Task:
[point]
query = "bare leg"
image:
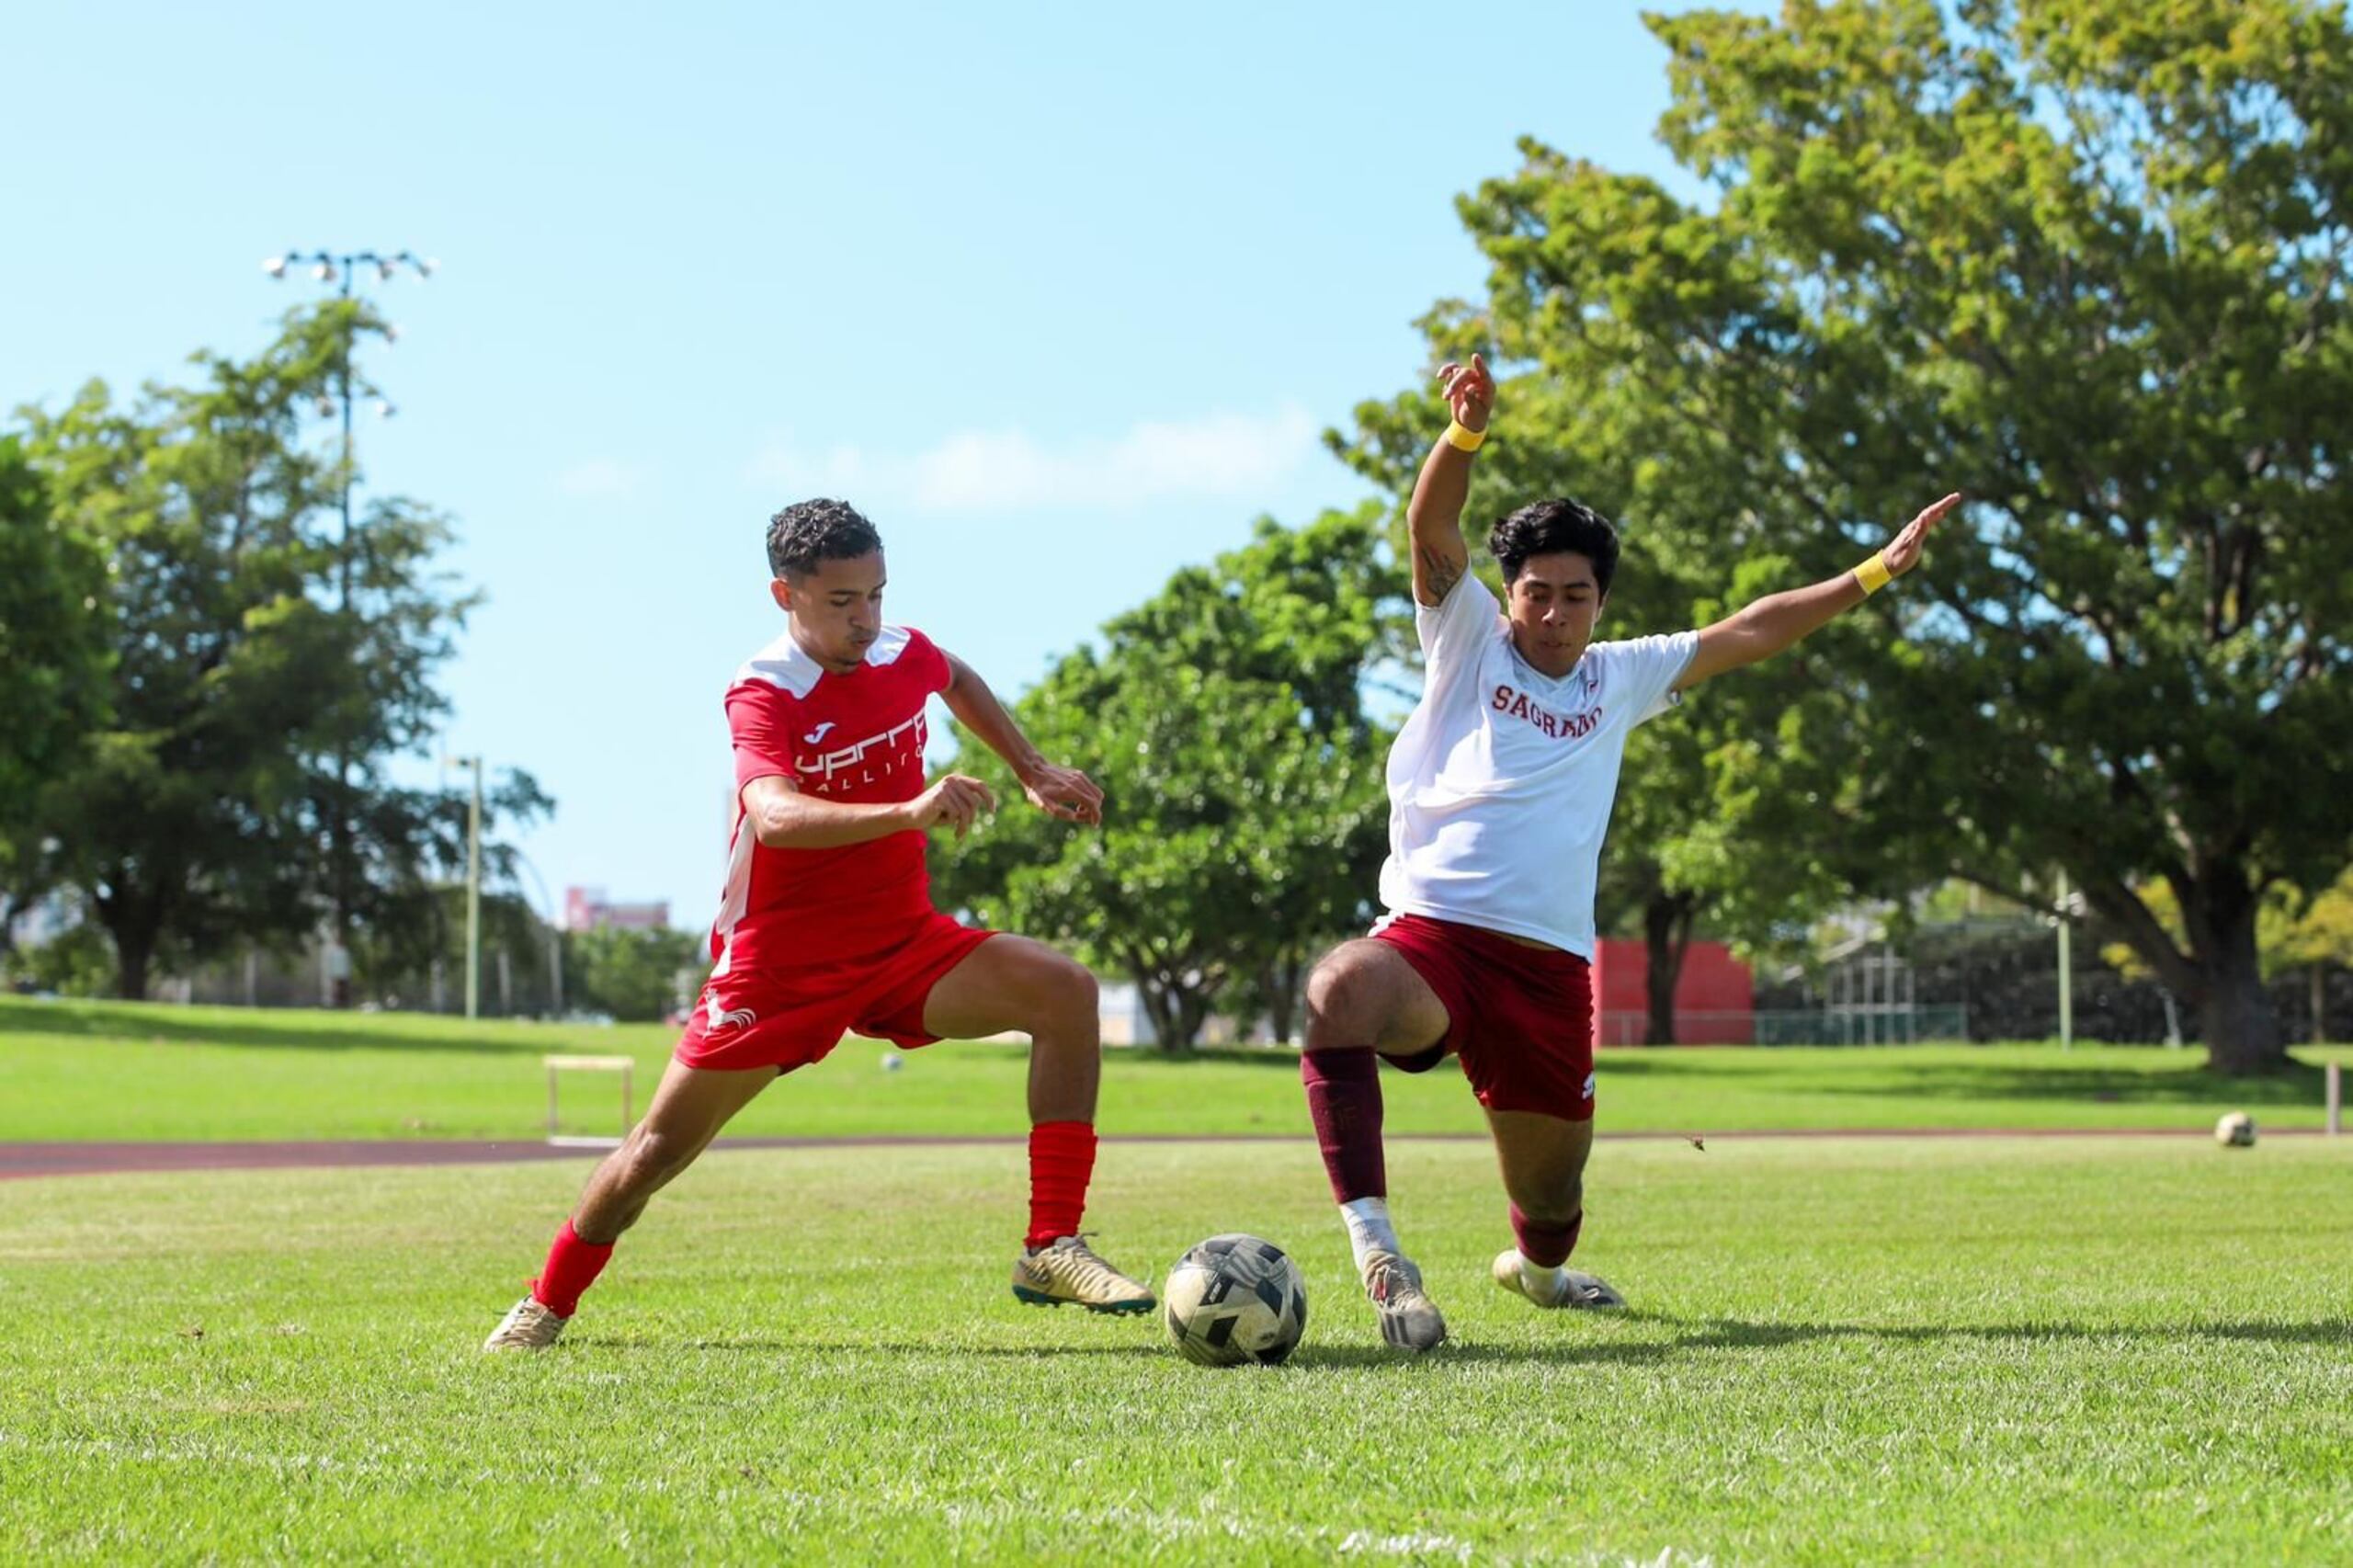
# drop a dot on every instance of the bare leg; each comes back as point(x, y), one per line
point(1363, 1001)
point(1543, 1169)
point(1012, 982)
point(688, 1109)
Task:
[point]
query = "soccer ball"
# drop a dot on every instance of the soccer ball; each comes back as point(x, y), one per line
point(2235, 1130)
point(892, 1062)
point(1235, 1299)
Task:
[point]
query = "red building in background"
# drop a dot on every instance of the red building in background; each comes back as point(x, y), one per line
point(587, 909)
point(1715, 1000)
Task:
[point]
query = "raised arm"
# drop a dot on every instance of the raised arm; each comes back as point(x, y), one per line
point(1064, 792)
point(1763, 629)
point(1434, 516)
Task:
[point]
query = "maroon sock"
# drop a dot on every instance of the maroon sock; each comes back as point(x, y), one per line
point(1344, 1098)
point(1062, 1162)
point(572, 1266)
point(1547, 1246)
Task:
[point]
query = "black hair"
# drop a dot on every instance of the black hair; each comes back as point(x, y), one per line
point(1546, 527)
point(808, 531)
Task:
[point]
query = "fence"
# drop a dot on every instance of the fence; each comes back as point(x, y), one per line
point(1867, 1024)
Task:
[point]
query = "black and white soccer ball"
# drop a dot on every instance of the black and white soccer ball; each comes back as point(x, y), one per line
point(1235, 1299)
point(2235, 1130)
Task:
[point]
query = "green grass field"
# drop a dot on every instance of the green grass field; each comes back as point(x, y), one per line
point(110, 1070)
point(1877, 1350)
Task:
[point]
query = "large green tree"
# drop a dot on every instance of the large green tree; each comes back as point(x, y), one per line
point(1245, 817)
point(208, 811)
point(2087, 260)
point(54, 648)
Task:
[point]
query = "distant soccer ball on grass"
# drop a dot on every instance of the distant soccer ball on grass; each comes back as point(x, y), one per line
point(1235, 1299)
point(892, 1062)
point(2235, 1130)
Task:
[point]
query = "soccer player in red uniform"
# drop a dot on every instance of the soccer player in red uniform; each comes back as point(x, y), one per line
point(1500, 787)
point(828, 925)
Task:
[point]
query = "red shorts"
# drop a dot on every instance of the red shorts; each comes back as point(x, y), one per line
point(789, 1018)
point(1519, 1018)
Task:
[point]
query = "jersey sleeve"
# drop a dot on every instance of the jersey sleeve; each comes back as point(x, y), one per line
point(1452, 631)
point(1645, 670)
point(759, 724)
point(925, 660)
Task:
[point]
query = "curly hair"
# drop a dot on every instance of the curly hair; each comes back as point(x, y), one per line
point(1544, 527)
point(808, 531)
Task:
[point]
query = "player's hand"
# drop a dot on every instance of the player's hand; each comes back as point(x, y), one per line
point(1470, 392)
point(1905, 553)
point(957, 800)
point(1064, 792)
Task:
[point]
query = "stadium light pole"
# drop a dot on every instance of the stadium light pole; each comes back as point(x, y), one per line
point(342, 269)
point(473, 886)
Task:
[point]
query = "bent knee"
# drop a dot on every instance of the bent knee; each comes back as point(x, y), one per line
point(1344, 999)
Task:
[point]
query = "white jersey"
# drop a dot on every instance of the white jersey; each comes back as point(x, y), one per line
point(1500, 782)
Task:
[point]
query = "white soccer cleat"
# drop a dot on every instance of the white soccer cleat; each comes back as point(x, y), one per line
point(1069, 1270)
point(1409, 1320)
point(527, 1326)
point(1570, 1288)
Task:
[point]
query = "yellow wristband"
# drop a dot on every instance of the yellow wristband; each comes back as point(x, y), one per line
point(1463, 438)
point(1873, 574)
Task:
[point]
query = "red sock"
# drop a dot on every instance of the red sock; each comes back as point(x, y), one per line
point(1547, 1246)
point(572, 1266)
point(1062, 1160)
point(1344, 1101)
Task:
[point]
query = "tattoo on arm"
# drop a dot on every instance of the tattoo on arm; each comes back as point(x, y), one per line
point(1438, 573)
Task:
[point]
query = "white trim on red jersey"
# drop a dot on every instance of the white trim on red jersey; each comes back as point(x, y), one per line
point(784, 663)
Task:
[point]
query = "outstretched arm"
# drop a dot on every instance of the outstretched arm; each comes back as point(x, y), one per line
point(1064, 791)
point(1761, 629)
point(1434, 516)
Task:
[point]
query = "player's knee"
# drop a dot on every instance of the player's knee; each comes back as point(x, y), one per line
point(1058, 993)
point(1342, 1002)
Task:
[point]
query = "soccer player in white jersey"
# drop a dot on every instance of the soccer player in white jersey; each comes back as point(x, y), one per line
point(1500, 788)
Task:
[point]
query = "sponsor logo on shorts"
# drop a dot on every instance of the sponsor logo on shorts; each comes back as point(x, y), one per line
point(740, 1018)
point(1588, 1086)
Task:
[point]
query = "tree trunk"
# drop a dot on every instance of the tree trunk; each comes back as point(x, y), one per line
point(1281, 986)
point(1176, 1010)
point(2235, 1012)
point(2320, 1002)
point(1666, 936)
point(132, 952)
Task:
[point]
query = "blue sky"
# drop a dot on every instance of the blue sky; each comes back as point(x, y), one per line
point(1060, 296)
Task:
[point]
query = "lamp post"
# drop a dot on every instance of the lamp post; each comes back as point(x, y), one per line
point(473, 886)
point(342, 269)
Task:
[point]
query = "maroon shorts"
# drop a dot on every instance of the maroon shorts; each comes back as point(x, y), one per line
point(1519, 1018)
point(790, 1017)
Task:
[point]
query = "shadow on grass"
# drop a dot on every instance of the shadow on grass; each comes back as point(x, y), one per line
point(887, 1347)
point(1732, 1334)
point(160, 1025)
point(2299, 1086)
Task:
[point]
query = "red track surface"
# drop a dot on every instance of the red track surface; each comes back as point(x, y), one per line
point(94, 1159)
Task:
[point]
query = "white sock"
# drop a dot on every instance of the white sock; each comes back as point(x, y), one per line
point(1543, 1280)
point(1369, 1228)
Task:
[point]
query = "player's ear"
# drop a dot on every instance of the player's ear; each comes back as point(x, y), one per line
point(781, 589)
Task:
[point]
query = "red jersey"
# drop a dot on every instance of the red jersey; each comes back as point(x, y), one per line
point(855, 737)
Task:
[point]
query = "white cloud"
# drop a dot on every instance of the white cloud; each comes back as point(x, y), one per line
point(1219, 454)
point(599, 477)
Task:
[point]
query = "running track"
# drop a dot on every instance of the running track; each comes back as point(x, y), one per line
point(19, 1160)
